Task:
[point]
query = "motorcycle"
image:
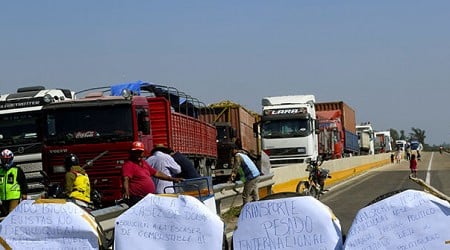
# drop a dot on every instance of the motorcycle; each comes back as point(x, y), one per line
point(314, 185)
point(56, 191)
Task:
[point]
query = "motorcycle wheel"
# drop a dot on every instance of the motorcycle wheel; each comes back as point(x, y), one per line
point(303, 188)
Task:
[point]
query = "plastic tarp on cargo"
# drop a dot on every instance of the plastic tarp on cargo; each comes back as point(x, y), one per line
point(135, 87)
point(48, 224)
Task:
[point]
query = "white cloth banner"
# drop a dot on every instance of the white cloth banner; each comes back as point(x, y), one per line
point(168, 222)
point(43, 224)
point(289, 223)
point(408, 220)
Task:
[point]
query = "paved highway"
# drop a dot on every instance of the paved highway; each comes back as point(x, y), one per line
point(346, 198)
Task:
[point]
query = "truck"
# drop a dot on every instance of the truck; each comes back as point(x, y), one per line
point(337, 136)
point(416, 147)
point(289, 129)
point(234, 124)
point(366, 138)
point(401, 145)
point(383, 141)
point(103, 124)
point(20, 116)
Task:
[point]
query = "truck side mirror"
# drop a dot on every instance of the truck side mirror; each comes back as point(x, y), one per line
point(316, 126)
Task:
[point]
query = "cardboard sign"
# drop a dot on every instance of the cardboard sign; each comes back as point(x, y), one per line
point(43, 224)
point(168, 222)
point(408, 220)
point(290, 223)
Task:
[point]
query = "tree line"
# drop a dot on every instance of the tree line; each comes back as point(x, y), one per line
point(415, 134)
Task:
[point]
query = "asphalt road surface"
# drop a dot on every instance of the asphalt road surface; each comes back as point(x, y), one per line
point(346, 198)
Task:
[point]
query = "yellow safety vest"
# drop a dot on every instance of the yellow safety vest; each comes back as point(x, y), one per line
point(81, 187)
point(9, 187)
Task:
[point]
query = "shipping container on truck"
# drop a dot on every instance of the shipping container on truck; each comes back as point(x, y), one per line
point(20, 116)
point(105, 124)
point(348, 121)
point(234, 124)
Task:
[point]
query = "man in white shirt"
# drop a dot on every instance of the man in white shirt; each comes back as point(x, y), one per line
point(163, 162)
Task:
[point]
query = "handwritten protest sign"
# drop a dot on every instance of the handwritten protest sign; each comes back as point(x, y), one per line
point(408, 220)
point(53, 226)
point(168, 222)
point(290, 223)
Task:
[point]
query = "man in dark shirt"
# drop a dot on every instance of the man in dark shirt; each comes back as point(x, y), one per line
point(188, 170)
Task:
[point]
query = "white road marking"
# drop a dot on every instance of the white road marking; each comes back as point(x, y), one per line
point(428, 177)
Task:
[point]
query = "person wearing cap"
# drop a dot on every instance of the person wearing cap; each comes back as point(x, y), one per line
point(248, 172)
point(163, 162)
point(13, 184)
point(137, 175)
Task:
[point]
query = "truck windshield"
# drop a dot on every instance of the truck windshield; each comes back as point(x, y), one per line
point(286, 128)
point(88, 125)
point(19, 128)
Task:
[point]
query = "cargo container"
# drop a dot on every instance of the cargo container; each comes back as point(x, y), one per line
point(338, 136)
point(234, 124)
point(106, 125)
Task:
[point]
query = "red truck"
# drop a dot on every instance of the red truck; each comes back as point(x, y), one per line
point(234, 125)
point(106, 125)
point(337, 124)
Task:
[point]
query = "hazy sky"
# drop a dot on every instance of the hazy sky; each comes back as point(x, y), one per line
point(389, 60)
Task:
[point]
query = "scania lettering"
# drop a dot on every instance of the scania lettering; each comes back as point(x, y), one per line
point(289, 129)
point(20, 114)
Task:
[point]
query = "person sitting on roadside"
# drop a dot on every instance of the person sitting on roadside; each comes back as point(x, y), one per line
point(77, 184)
point(13, 184)
point(137, 175)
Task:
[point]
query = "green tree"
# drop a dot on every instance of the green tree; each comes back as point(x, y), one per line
point(418, 134)
point(394, 134)
point(402, 135)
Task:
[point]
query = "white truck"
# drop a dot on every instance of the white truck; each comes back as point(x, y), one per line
point(383, 141)
point(289, 129)
point(366, 138)
point(20, 117)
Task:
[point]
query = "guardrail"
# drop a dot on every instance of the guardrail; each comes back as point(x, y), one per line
point(231, 190)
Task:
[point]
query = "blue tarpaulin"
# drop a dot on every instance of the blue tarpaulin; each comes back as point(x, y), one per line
point(135, 87)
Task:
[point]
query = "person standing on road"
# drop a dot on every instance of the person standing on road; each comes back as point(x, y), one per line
point(398, 156)
point(77, 184)
point(413, 165)
point(249, 175)
point(13, 184)
point(163, 162)
point(188, 170)
point(137, 175)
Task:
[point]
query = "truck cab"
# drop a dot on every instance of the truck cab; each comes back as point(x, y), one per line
point(20, 119)
point(289, 129)
point(366, 137)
